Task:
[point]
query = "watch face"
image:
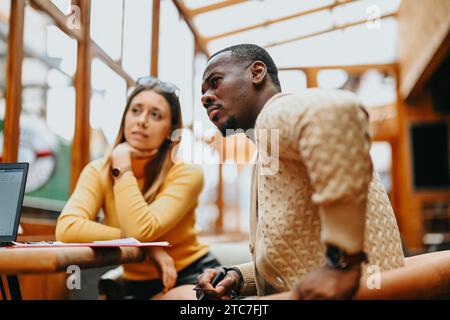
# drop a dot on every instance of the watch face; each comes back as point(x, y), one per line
point(334, 255)
point(115, 172)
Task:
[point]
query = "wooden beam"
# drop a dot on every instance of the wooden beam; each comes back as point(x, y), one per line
point(214, 6)
point(314, 34)
point(311, 78)
point(14, 82)
point(383, 122)
point(185, 14)
point(98, 52)
point(80, 145)
point(354, 69)
point(155, 38)
point(278, 20)
point(58, 17)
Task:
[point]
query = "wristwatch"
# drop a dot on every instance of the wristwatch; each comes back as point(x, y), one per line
point(117, 172)
point(339, 259)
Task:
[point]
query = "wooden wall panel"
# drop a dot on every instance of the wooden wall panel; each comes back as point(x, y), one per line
point(424, 28)
point(408, 199)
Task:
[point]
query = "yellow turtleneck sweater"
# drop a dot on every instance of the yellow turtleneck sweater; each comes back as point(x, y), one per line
point(170, 217)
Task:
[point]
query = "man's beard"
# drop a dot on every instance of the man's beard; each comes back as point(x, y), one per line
point(229, 125)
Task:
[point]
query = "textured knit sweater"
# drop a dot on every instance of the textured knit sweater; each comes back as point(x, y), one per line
point(316, 185)
point(170, 217)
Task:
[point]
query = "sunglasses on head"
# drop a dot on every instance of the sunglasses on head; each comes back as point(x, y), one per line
point(164, 86)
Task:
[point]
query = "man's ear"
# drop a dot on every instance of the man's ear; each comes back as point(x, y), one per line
point(259, 71)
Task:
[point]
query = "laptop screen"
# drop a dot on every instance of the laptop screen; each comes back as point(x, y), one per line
point(12, 187)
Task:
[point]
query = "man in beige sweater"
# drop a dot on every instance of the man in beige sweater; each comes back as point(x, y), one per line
point(319, 214)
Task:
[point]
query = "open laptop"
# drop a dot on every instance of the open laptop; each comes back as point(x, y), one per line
point(13, 177)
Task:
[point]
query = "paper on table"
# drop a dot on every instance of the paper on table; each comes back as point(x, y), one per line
point(127, 242)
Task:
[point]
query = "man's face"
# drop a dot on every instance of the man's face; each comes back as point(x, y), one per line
point(227, 92)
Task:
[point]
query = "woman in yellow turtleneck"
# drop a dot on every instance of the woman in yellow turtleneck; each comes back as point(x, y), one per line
point(144, 195)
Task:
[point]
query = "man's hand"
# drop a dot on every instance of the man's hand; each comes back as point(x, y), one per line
point(230, 282)
point(328, 283)
point(166, 266)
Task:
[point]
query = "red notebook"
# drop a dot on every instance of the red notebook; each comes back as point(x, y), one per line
point(127, 242)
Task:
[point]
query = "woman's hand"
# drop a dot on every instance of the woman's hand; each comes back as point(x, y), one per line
point(165, 265)
point(122, 153)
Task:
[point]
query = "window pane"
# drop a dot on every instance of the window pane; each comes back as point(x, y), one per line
point(381, 154)
point(292, 81)
point(332, 79)
point(137, 37)
point(106, 25)
point(107, 105)
point(48, 110)
point(176, 56)
point(63, 5)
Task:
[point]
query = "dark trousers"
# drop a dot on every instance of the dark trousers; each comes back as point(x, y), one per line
point(147, 289)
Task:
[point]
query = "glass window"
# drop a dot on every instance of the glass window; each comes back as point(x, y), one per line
point(292, 81)
point(375, 88)
point(176, 57)
point(381, 153)
point(106, 26)
point(376, 41)
point(107, 105)
point(63, 5)
point(137, 37)
point(332, 79)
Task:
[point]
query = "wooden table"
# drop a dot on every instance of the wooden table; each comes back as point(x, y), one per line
point(21, 261)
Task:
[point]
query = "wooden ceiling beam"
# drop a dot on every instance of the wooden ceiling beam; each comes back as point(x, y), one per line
point(215, 6)
point(314, 34)
point(278, 20)
point(354, 69)
point(186, 15)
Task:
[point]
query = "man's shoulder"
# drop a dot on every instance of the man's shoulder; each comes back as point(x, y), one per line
point(289, 106)
point(310, 97)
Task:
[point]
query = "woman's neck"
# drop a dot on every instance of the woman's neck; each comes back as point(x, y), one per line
point(138, 165)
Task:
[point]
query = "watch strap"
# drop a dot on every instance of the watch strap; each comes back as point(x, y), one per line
point(241, 278)
point(338, 258)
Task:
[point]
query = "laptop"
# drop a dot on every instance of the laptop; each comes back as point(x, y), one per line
point(13, 177)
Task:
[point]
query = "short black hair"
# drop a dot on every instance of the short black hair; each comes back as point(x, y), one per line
point(247, 52)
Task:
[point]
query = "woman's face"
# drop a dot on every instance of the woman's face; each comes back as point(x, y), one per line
point(147, 121)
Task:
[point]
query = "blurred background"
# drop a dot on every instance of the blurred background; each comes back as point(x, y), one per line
point(66, 68)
